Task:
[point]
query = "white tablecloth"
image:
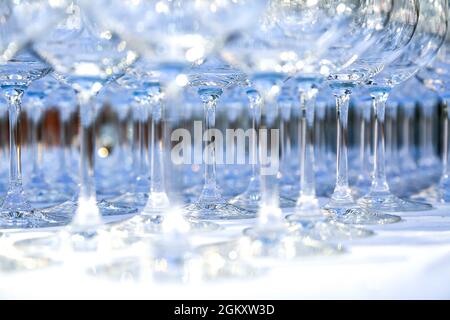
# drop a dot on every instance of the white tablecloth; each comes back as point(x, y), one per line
point(407, 260)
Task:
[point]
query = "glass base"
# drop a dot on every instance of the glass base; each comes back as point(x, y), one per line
point(387, 202)
point(106, 208)
point(144, 225)
point(157, 203)
point(277, 242)
point(438, 194)
point(351, 213)
point(17, 213)
point(251, 201)
point(325, 229)
point(220, 210)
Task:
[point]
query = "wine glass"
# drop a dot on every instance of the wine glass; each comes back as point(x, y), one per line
point(173, 35)
point(389, 41)
point(155, 202)
point(212, 78)
point(19, 67)
point(271, 54)
point(167, 36)
point(429, 35)
point(86, 58)
point(3, 152)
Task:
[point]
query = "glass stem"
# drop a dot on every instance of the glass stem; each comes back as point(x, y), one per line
point(406, 134)
point(319, 137)
point(269, 212)
point(366, 142)
point(392, 139)
point(15, 144)
point(209, 98)
point(63, 144)
point(423, 135)
point(255, 109)
point(307, 170)
point(445, 140)
point(157, 183)
point(141, 144)
point(87, 214)
point(362, 143)
point(444, 183)
point(379, 182)
point(34, 147)
point(342, 189)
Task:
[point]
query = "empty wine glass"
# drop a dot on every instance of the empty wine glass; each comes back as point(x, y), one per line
point(395, 25)
point(21, 22)
point(363, 180)
point(167, 36)
point(420, 50)
point(212, 78)
point(270, 54)
point(86, 58)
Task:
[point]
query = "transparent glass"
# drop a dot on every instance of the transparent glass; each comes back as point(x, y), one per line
point(18, 69)
point(430, 30)
point(85, 60)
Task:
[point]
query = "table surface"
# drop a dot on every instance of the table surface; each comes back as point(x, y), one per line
point(406, 260)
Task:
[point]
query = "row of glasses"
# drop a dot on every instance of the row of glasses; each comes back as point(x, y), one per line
point(399, 25)
point(173, 35)
point(19, 67)
point(270, 55)
point(86, 58)
point(421, 49)
point(307, 41)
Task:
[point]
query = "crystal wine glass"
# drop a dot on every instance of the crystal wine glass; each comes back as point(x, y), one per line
point(21, 22)
point(389, 41)
point(86, 58)
point(429, 35)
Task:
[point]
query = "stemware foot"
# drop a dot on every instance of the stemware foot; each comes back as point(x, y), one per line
point(252, 201)
point(324, 229)
point(353, 214)
point(17, 213)
point(387, 202)
point(68, 209)
point(217, 211)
